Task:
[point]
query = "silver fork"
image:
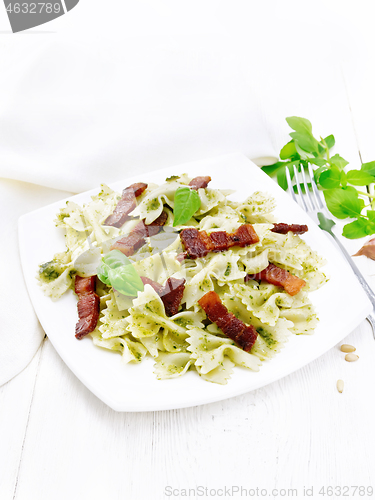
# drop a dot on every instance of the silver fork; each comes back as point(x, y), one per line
point(316, 206)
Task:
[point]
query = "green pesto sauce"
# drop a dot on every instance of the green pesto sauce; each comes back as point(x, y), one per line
point(267, 337)
point(49, 271)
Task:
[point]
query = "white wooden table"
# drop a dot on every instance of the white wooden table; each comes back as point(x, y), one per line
point(58, 441)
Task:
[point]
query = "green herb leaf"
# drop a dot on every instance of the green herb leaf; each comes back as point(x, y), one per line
point(302, 186)
point(369, 167)
point(331, 178)
point(117, 271)
point(319, 162)
point(339, 161)
point(330, 141)
point(358, 229)
point(288, 151)
point(303, 154)
point(299, 124)
point(359, 178)
point(186, 203)
point(318, 172)
point(281, 174)
point(172, 178)
point(343, 202)
point(343, 179)
point(371, 215)
point(325, 224)
point(126, 280)
point(272, 169)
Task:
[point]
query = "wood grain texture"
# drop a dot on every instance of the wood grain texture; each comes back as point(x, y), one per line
point(15, 403)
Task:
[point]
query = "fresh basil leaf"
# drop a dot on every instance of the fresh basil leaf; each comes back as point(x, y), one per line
point(303, 154)
point(371, 215)
point(281, 174)
point(343, 179)
point(359, 178)
point(343, 202)
point(288, 151)
point(186, 203)
point(102, 273)
point(321, 149)
point(306, 142)
point(319, 162)
point(318, 172)
point(338, 161)
point(299, 124)
point(112, 260)
point(357, 229)
point(272, 169)
point(331, 178)
point(330, 141)
point(281, 179)
point(126, 280)
point(369, 167)
point(115, 258)
point(324, 223)
point(302, 186)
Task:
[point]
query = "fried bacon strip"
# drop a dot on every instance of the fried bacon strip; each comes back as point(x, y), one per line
point(126, 205)
point(279, 277)
point(171, 293)
point(88, 305)
point(136, 238)
point(244, 335)
point(200, 182)
point(199, 243)
point(283, 228)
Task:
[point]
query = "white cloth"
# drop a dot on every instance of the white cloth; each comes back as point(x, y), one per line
point(106, 96)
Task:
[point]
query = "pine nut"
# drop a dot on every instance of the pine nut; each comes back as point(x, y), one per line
point(340, 385)
point(347, 348)
point(351, 357)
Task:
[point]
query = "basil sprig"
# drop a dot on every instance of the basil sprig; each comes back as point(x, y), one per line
point(117, 271)
point(343, 200)
point(186, 203)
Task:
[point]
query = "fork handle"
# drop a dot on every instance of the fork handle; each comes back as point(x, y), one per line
point(357, 272)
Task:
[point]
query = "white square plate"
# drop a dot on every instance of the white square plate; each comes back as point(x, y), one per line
point(341, 304)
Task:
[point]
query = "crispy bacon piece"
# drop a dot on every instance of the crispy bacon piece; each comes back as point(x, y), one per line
point(181, 256)
point(200, 182)
point(88, 305)
point(155, 285)
point(199, 243)
point(136, 238)
point(126, 205)
point(279, 277)
point(153, 228)
point(244, 236)
point(171, 293)
point(83, 286)
point(129, 244)
point(244, 335)
point(283, 228)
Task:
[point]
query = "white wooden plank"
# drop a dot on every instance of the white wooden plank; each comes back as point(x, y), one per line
point(15, 402)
